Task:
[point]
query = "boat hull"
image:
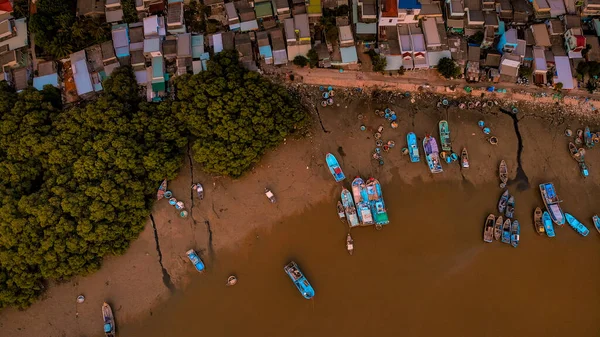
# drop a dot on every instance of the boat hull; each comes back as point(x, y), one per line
point(445, 136)
point(349, 208)
point(506, 231)
point(432, 155)
point(503, 202)
point(498, 228)
point(510, 207)
point(300, 281)
point(537, 221)
point(109, 320)
point(361, 200)
point(596, 221)
point(551, 202)
point(515, 232)
point(547, 221)
point(377, 204)
point(334, 168)
point(413, 148)
point(577, 225)
point(488, 228)
point(195, 260)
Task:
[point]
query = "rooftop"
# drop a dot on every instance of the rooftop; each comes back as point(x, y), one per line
point(389, 9)
point(409, 4)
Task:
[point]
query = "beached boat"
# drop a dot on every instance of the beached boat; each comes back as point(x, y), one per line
point(575, 153)
point(552, 203)
point(537, 221)
point(596, 221)
point(547, 221)
point(488, 228)
point(361, 200)
point(498, 228)
point(506, 231)
point(445, 136)
point(583, 169)
point(349, 244)
point(432, 154)
point(579, 137)
point(515, 232)
point(109, 321)
point(334, 168)
point(341, 212)
point(587, 137)
point(503, 202)
point(464, 158)
point(195, 259)
point(503, 173)
point(577, 225)
point(161, 190)
point(413, 148)
point(349, 208)
point(375, 197)
point(299, 280)
point(510, 207)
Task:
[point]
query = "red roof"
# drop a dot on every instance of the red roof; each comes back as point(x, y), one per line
point(390, 9)
point(5, 6)
point(580, 41)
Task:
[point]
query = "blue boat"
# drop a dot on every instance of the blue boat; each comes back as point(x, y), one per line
point(585, 172)
point(503, 202)
point(413, 148)
point(576, 225)
point(515, 231)
point(552, 203)
point(510, 207)
point(587, 136)
point(445, 136)
point(361, 199)
point(195, 259)
point(548, 225)
point(596, 221)
point(334, 168)
point(376, 200)
point(349, 208)
point(432, 154)
point(299, 280)
point(506, 231)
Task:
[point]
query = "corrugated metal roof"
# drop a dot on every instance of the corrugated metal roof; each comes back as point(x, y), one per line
point(366, 28)
point(217, 43)
point(349, 54)
point(563, 71)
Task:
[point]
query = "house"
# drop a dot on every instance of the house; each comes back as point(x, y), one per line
point(572, 21)
point(458, 49)
point(228, 40)
point(475, 18)
point(492, 60)
point(575, 42)
point(46, 75)
point(314, 10)
point(522, 12)
point(244, 47)
point(417, 40)
point(263, 10)
point(13, 36)
point(154, 26)
point(563, 72)
point(540, 35)
point(156, 73)
point(175, 22)
point(216, 41)
point(113, 11)
point(555, 27)
point(594, 50)
point(120, 39)
point(169, 48)
point(345, 36)
point(153, 47)
point(508, 41)
point(506, 10)
point(432, 35)
point(509, 67)
point(570, 7)
point(298, 7)
point(279, 52)
point(541, 9)
point(473, 71)
point(297, 34)
point(491, 29)
point(90, 8)
point(282, 9)
point(136, 36)
point(233, 20)
point(406, 49)
point(247, 19)
point(540, 66)
point(557, 8)
point(151, 6)
point(81, 73)
point(455, 9)
point(590, 8)
point(6, 7)
point(264, 47)
point(184, 52)
point(347, 47)
point(488, 5)
point(108, 52)
point(367, 11)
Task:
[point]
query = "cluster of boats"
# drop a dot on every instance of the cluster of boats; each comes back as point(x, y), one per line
point(432, 151)
point(505, 231)
point(364, 206)
point(556, 214)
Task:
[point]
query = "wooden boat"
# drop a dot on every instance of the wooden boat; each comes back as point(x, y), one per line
point(583, 169)
point(575, 153)
point(488, 229)
point(349, 208)
point(109, 320)
point(270, 195)
point(596, 221)
point(341, 212)
point(510, 207)
point(503, 173)
point(515, 231)
point(361, 199)
point(195, 259)
point(576, 225)
point(413, 148)
point(334, 168)
point(161, 190)
point(432, 154)
point(498, 228)
point(299, 280)
point(552, 203)
point(587, 137)
point(579, 138)
point(349, 244)
point(537, 221)
point(464, 158)
point(376, 201)
point(503, 202)
point(547, 221)
point(199, 190)
point(506, 231)
point(445, 136)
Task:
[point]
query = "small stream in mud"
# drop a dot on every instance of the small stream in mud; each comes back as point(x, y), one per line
point(521, 178)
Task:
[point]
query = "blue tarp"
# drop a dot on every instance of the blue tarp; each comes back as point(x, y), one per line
point(409, 4)
point(266, 51)
point(349, 54)
point(40, 82)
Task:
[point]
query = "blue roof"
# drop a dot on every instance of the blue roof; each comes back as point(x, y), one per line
point(197, 46)
point(409, 4)
point(40, 82)
point(265, 51)
point(349, 54)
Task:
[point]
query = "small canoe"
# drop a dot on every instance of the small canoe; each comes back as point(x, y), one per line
point(583, 169)
point(510, 207)
point(195, 259)
point(341, 212)
point(349, 208)
point(537, 221)
point(515, 231)
point(413, 148)
point(575, 154)
point(464, 158)
point(548, 226)
point(587, 136)
point(334, 168)
point(109, 320)
point(498, 228)
point(349, 244)
point(596, 221)
point(445, 136)
point(506, 231)
point(579, 138)
point(503, 202)
point(503, 173)
point(576, 225)
point(488, 229)
point(299, 280)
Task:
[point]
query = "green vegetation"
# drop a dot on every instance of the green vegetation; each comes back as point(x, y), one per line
point(328, 21)
point(313, 58)
point(129, 12)
point(525, 71)
point(448, 68)
point(300, 61)
point(379, 62)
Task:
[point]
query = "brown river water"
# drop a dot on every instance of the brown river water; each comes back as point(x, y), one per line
point(426, 273)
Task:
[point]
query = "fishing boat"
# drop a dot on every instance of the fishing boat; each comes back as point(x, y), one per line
point(375, 198)
point(506, 231)
point(349, 208)
point(547, 221)
point(583, 169)
point(537, 221)
point(161, 190)
point(341, 212)
point(464, 158)
point(515, 231)
point(503, 202)
point(361, 199)
point(195, 259)
point(552, 203)
point(334, 168)
point(488, 228)
point(445, 136)
point(432, 154)
point(510, 207)
point(503, 173)
point(575, 153)
point(587, 137)
point(579, 137)
point(498, 228)
point(299, 280)
point(413, 148)
point(596, 221)
point(109, 320)
point(349, 244)
point(576, 225)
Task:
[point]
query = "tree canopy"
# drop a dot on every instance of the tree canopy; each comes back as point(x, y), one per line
point(77, 184)
point(448, 68)
point(235, 115)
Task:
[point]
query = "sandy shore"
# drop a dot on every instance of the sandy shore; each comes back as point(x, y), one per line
point(233, 213)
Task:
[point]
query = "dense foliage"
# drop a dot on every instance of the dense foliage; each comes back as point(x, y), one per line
point(77, 184)
point(379, 62)
point(235, 115)
point(448, 68)
point(301, 61)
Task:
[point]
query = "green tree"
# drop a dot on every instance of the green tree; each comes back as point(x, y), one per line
point(594, 69)
point(525, 71)
point(583, 68)
point(300, 61)
point(313, 58)
point(448, 68)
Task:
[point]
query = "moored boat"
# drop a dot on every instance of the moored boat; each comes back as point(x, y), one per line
point(341, 212)
point(334, 168)
point(583, 169)
point(551, 201)
point(375, 197)
point(579, 137)
point(413, 148)
point(596, 221)
point(109, 321)
point(498, 228)
point(575, 153)
point(161, 190)
point(537, 221)
point(503, 202)
point(464, 158)
point(445, 136)
point(577, 225)
point(299, 280)
point(488, 229)
point(349, 208)
point(361, 199)
point(547, 221)
point(506, 231)
point(515, 231)
point(432, 154)
point(503, 173)
point(349, 244)
point(195, 259)
point(587, 136)
point(510, 207)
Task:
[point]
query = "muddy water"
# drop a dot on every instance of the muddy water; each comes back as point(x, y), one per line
point(427, 273)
